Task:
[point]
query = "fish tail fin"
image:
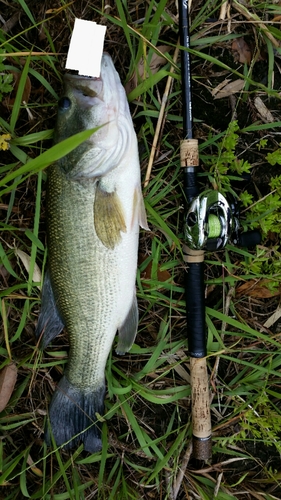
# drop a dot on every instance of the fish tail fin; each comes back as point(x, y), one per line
point(73, 419)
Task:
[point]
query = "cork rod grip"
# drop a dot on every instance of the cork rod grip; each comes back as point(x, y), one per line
point(189, 162)
point(189, 153)
point(201, 416)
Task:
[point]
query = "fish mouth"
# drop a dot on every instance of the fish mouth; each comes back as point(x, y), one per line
point(86, 86)
point(90, 91)
point(72, 76)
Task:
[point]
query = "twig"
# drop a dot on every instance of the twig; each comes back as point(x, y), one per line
point(223, 10)
point(107, 8)
point(216, 490)
point(225, 13)
point(170, 490)
point(180, 476)
point(160, 118)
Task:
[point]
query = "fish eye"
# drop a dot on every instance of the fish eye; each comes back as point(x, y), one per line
point(64, 103)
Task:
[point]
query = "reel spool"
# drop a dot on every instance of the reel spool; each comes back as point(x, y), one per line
point(212, 221)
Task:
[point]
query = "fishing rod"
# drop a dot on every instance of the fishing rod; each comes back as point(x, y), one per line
point(194, 258)
point(211, 221)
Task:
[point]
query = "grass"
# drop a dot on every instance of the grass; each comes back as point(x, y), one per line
point(147, 425)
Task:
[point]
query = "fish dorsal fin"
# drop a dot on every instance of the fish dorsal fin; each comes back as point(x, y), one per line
point(108, 217)
point(139, 209)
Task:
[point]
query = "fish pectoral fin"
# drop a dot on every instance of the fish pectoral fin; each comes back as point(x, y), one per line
point(128, 330)
point(108, 217)
point(139, 209)
point(50, 323)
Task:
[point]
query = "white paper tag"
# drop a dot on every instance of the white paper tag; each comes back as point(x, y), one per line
point(86, 48)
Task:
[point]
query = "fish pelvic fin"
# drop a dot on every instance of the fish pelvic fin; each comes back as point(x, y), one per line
point(128, 330)
point(72, 416)
point(50, 323)
point(108, 217)
point(139, 209)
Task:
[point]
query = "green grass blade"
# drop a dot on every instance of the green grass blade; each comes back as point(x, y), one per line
point(27, 10)
point(6, 262)
point(18, 99)
point(45, 159)
point(10, 469)
point(147, 84)
point(35, 232)
point(23, 478)
point(125, 27)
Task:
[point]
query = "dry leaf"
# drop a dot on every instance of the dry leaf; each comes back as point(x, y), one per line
point(241, 51)
point(8, 377)
point(33, 467)
point(4, 273)
point(131, 84)
point(54, 11)
point(156, 62)
point(257, 289)
point(226, 88)
point(264, 113)
point(273, 318)
point(173, 359)
point(276, 19)
point(220, 86)
point(146, 274)
point(25, 258)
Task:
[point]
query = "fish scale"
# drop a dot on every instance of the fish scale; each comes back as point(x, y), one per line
point(94, 210)
point(78, 263)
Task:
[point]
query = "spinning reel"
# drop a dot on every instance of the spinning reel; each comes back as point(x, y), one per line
point(212, 220)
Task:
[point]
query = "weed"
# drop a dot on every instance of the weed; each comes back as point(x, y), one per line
point(6, 78)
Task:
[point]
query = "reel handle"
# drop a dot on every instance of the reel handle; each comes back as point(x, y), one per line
point(212, 220)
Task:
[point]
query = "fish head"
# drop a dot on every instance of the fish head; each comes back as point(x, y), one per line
point(87, 103)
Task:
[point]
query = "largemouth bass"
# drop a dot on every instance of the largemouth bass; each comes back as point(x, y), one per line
point(94, 210)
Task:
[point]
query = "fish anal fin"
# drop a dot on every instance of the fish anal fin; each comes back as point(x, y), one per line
point(128, 330)
point(50, 323)
point(108, 217)
point(139, 209)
